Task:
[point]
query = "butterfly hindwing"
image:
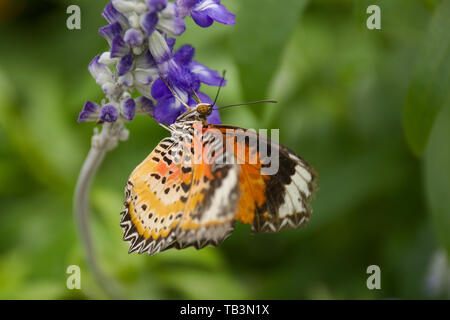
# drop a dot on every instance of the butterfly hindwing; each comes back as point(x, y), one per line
point(275, 201)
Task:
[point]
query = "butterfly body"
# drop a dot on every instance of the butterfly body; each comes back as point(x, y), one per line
point(196, 184)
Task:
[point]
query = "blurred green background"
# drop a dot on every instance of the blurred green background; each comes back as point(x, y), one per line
point(367, 108)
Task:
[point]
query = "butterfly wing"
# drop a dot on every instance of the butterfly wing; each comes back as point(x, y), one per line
point(196, 201)
point(153, 208)
point(270, 202)
point(209, 213)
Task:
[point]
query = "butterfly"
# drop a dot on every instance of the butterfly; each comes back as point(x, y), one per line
point(196, 184)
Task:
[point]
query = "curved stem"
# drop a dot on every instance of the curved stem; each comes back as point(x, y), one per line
point(101, 143)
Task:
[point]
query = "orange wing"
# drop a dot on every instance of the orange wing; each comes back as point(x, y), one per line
point(271, 201)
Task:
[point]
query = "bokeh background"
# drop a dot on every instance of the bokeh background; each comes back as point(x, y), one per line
point(367, 108)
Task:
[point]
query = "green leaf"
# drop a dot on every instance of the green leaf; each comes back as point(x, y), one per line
point(437, 176)
point(429, 86)
point(262, 29)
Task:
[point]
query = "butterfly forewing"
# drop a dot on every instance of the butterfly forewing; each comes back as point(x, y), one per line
point(153, 209)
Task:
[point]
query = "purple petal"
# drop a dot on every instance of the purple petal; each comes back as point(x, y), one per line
point(156, 5)
point(184, 54)
point(201, 18)
point(170, 42)
point(129, 109)
point(191, 102)
point(159, 89)
point(183, 78)
point(133, 37)
point(220, 14)
point(145, 61)
point(145, 76)
point(144, 106)
point(205, 12)
point(159, 48)
point(110, 31)
point(99, 71)
point(126, 80)
point(185, 6)
point(89, 112)
point(119, 48)
point(149, 22)
point(206, 75)
point(172, 25)
point(167, 110)
point(214, 117)
point(108, 113)
point(125, 64)
point(112, 15)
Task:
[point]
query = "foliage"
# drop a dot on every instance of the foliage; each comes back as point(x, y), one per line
point(342, 89)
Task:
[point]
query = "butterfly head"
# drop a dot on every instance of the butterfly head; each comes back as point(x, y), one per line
point(204, 109)
point(199, 113)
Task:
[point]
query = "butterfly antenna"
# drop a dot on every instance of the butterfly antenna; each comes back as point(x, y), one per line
point(220, 86)
point(173, 93)
point(196, 98)
point(247, 103)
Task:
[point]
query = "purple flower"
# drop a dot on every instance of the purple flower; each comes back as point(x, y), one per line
point(133, 37)
point(108, 113)
point(206, 75)
point(156, 5)
point(183, 76)
point(205, 12)
point(149, 22)
point(170, 22)
point(141, 55)
point(128, 108)
point(119, 47)
point(162, 15)
point(110, 31)
point(144, 106)
point(100, 72)
point(167, 109)
point(89, 112)
point(112, 15)
point(125, 64)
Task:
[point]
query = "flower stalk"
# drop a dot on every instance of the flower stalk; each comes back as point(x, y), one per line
point(102, 142)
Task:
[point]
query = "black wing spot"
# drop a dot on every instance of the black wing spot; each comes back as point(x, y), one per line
point(156, 176)
point(186, 169)
point(167, 160)
point(185, 186)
